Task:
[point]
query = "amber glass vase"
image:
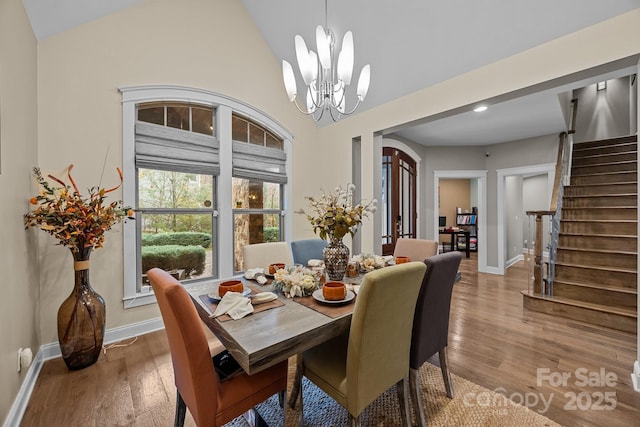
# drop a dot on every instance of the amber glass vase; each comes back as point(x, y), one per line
point(81, 318)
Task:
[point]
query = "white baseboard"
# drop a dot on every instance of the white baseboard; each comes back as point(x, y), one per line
point(22, 399)
point(52, 350)
point(513, 260)
point(635, 376)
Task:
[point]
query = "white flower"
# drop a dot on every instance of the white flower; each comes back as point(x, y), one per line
point(296, 281)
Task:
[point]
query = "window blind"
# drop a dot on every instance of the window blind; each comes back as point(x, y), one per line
point(165, 148)
point(257, 162)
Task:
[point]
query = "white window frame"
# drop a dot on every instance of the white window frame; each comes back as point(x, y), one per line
point(225, 106)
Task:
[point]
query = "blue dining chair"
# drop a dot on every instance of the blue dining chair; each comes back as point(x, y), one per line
point(306, 249)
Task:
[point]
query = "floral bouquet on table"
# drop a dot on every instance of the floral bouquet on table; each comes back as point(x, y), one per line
point(369, 262)
point(296, 281)
point(335, 214)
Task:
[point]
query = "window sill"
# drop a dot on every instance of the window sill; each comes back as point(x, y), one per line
point(140, 299)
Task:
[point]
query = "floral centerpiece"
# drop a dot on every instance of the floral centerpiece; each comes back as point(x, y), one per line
point(369, 262)
point(332, 216)
point(78, 223)
point(296, 281)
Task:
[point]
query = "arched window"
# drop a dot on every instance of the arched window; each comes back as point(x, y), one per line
point(205, 180)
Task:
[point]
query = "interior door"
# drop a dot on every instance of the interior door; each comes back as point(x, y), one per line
point(399, 210)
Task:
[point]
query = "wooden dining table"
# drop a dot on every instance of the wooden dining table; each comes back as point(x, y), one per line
point(265, 338)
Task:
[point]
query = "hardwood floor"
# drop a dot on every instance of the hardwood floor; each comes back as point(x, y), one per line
point(493, 341)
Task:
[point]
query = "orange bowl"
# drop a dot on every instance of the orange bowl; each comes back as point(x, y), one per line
point(275, 267)
point(402, 259)
point(334, 291)
point(230, 286)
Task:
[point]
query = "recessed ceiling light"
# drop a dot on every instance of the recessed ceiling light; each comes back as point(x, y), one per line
point(480, 109)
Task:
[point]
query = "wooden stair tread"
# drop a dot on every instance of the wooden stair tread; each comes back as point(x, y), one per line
point(606, 287)
point(606, 142)
point(600, 195)
point(606, 251)
point(595, 174)
point(597, 267)
point(600, 184)
point(628, 312)
point(574, 208)
point(621, 162)
point(609, 236)
point(623, 221)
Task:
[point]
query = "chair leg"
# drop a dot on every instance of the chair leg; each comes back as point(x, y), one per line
point(297, 383)
point(444, 366)
point(301, 414)
point(416, 397)
point(402, 389)
point(181, 411)
point(282, 397)
point(354, 421)
point(283, 400)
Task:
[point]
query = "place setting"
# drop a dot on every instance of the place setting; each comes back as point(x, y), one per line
point(232, 299)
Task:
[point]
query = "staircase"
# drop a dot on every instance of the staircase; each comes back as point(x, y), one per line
point(596, 264)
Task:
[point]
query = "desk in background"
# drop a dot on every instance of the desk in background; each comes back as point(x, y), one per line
point(454, 240)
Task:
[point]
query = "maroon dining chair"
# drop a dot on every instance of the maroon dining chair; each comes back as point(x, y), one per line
point(431, 324)
point(211, 401)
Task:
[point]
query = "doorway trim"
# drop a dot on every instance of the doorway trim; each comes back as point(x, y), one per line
point(399, 145)
point(548, 168)
point(481, 176)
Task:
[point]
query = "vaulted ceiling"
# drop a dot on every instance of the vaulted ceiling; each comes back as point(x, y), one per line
point(410, 45)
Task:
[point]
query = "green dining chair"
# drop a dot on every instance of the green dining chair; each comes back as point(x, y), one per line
point(357, 367)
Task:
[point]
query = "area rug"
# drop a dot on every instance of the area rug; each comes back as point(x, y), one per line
point(472, 405)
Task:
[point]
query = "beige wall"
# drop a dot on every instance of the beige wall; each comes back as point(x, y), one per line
point(211, 45)
point(19, 305)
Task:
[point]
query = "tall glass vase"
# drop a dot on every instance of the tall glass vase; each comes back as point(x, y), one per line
point(81, 318)
point(336, 259)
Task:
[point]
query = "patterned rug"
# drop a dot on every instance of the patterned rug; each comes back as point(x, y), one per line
point(472, 405)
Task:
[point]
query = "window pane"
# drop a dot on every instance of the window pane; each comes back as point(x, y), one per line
point(273, 142)
point(253, 228)
point(151, 113)
point(202, 119)
point(239, 130)
point(178, 243)
point(256, 134)
point(178, 117)
point(252, 194)
point(162, 189)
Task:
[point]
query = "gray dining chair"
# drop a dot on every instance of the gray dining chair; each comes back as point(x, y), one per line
point(306, 249)
point(431, 324)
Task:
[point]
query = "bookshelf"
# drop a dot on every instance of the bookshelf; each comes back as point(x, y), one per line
point(468, 221)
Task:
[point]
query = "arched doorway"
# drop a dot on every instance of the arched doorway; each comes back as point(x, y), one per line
point(399, 207)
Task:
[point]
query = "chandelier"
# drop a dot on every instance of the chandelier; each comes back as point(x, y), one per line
point(325, 78)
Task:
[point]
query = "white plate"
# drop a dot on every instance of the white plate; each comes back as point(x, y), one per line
point(317, 295)
point(213, 296)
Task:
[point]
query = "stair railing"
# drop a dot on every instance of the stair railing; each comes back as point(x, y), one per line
point(541, 282)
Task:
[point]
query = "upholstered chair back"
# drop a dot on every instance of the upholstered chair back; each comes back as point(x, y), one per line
point(416, 249)
point(306, 249)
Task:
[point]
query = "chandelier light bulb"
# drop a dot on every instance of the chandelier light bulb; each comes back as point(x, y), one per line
point(345, 59)
point(363, 82)
point(289, 80)
point(302, 54)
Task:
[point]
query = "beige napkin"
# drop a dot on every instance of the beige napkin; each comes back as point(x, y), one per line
point(235, 305)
